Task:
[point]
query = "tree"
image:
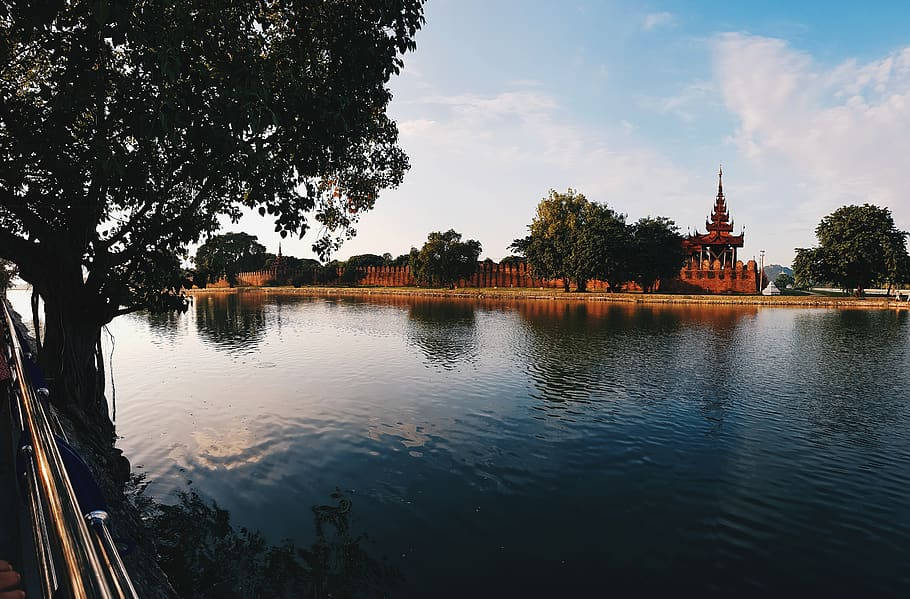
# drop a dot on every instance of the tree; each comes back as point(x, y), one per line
point(444, 259)
point(603, 248)
point(858, 246)
point(783, 280)
point(130, 130)
point(401, 260)
point(513, 260)
point(656, 251)
point(553, 237)
point(8, 272)
point(228, 254)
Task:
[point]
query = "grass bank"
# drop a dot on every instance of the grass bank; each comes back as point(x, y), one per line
point(814, 301)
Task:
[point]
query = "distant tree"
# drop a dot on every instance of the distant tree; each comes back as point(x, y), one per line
point(783, 280)
point(513, 260)
point(656, 251)
point(8, 272)
point(444, 259)
point(603, 248)
point(228, 254)
point(554, 236)
point(401, 260)
point(858, 247)
point(129, 130)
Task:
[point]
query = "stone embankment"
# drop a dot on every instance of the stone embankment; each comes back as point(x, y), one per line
point(810, 301)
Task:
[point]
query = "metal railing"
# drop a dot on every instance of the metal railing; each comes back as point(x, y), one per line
point(75, 552)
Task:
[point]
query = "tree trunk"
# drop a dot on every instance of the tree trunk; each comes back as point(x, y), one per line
point(565, 284)
point(581, 285)
point(72, 359)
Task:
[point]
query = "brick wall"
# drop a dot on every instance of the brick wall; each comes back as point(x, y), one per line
point(711, 278)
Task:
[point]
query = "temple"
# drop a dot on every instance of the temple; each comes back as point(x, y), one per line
point(719, 243)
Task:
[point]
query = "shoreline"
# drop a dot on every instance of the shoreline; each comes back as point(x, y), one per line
point(525, 294)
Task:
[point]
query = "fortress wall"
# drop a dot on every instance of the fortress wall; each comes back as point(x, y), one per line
point(711, 278)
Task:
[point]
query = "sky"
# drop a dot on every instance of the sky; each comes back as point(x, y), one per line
point(636, 104)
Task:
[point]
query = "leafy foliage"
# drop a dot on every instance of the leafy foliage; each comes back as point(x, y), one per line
point(130, 130)
point(444, 259)
point(858, 247)
point(656, 251)
point(783, 280)
point(228, 254)
point(603, 250)
point(554, 235)
point(8, 272)
point(576, 240)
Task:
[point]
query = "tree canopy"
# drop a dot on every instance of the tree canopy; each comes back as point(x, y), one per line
point(444, 259)
point(554, 235)
point(656, 251)
point(858, 246)
point(226, 255)
point(129, 130)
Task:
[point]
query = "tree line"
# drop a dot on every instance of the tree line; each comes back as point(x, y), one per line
point(570, 238)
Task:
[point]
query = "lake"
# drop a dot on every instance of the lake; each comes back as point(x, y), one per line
point(491, 448)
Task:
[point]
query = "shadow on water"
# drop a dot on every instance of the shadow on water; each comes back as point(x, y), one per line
point(445, 332)
point(231, 320)
point(205, 556)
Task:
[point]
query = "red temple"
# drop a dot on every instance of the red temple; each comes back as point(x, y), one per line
point(718, 243)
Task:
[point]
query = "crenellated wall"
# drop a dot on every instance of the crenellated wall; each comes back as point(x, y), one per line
point(711, 278)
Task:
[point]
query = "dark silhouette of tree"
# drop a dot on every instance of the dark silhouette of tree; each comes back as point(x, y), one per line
point(129, 130)
point(656, 251)
point(858, 246)
point(8, 272)
point(603, 248)
point(444, 259)
point(226, 255)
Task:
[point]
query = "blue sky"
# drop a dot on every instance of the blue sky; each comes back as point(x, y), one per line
point(806, 104)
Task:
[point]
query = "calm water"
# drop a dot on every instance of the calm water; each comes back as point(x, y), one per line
point(545, 448)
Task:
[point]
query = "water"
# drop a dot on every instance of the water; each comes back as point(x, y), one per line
point(540, 448)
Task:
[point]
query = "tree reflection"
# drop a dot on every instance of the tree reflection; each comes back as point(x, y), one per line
point(445, 332)
point(205, 556)
point(231, 320)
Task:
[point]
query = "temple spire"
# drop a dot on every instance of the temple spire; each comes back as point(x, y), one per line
point(720, 182)
point(279, 249)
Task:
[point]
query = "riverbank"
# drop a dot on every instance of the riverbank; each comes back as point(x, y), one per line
point(522, 294)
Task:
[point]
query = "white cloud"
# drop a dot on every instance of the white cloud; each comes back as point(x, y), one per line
point(657, 19)
point(843, 131)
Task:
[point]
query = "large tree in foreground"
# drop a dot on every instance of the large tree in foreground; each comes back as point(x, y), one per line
point(444, 259)
point(131, 129)
point(858, 246)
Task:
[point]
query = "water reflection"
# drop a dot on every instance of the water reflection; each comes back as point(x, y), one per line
point(761, 445)
point(856, 398)
point(206, 556)
point(231, 320)
point(445, 332)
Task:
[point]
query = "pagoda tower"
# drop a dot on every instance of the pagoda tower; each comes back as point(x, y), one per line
point(719, 243)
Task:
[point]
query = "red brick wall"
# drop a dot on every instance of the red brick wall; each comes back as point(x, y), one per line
point(741, 278)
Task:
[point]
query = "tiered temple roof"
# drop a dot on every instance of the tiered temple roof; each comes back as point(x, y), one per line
point(719, 226)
